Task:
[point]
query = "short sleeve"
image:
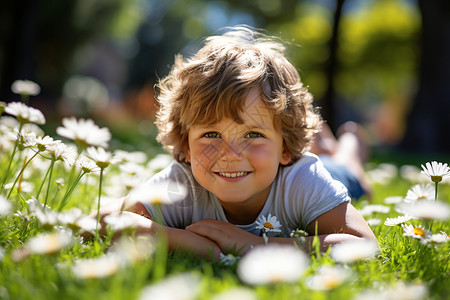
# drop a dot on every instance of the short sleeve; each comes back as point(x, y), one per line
point(312, 190)
point(178, 214)
point(195, 204)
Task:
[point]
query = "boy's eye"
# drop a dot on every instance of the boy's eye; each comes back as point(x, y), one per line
point(254, 135)
point(212, 134)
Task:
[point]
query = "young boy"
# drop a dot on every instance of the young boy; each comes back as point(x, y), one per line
point(238, 122)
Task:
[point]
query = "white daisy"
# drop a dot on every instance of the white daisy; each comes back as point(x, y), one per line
point(354, 250)
point(131, 168)
point(268, 224)
point(131, 181)
point(411, 173)
point(43, 142)
point(420, 192)
point(441, 237)
point(87, 165)
point(183, 286)
point(374, 208)
point(397, 221)
point(28, 139)
point(229, 259)
point(373, 222)
point(99, 267)
point(383, 174)
point(84, 132)
point(46, 217)
point(400, 290)
point(23, 186)
point(121, 221)
point(415, 231)
point(69, 216)
point(160, 193)
point(5, 206)
point(427, 210)
point(84, 224)
point(60, 151)
point(8, 123)
point(49, 243)
point(24, 113)
point(25, 87)
point(159, 162)
point(435, 171)
point(136, 157)
point(273, 263)
point(129, 250)
point(34, 205)
point(101, 157)
point(328, 278)
point(30, 127)
point(393, 199)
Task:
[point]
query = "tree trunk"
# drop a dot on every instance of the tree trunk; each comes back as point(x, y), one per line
point(328, 102)
point(18, 56)
point(428, 126)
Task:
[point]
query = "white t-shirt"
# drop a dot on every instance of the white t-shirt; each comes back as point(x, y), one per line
point(299, 194)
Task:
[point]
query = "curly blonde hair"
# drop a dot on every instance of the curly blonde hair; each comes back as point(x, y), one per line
point(214, 83)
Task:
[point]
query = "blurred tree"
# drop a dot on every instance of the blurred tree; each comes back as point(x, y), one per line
point(176, 26)
point(328, 101)
point(356, 54)
point(40, 38)
point(428, 129)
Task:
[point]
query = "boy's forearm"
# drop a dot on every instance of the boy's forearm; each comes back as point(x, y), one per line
point(184, 240)
point(326, 241)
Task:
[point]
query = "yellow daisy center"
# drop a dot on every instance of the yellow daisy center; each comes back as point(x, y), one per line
point(157, 200)
point(268, 225)
point(103, 164)
point(419, 231)
point(331, 283)
point(436, 178)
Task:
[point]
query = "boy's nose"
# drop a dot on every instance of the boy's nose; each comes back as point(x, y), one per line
point(231, 150)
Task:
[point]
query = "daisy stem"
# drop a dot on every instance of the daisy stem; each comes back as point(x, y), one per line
point(97, 229)
point(49, 181)
point(159, 218)
point(160, 262)
point(6, 173)
point(42, 183)
point(69, 191)
point(25, 164)
point(436, 191)
point(265, 238)
point(25, 98)
point(72, 171)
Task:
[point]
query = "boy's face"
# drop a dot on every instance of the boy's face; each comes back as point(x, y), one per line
point(238, 162)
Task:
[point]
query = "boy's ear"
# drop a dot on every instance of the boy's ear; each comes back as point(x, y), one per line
point(188, 153)
point(285, 157)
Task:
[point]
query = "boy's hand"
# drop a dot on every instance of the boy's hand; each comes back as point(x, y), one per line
point(226, 235)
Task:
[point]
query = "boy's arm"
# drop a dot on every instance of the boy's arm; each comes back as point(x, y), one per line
point(178, 239)
point(339, 224)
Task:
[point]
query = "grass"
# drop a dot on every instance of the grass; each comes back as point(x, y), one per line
point(402, 265)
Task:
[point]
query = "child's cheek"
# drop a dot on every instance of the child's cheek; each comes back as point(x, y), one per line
point(205, 155)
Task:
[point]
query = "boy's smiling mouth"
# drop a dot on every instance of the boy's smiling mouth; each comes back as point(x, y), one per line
point(232, 174)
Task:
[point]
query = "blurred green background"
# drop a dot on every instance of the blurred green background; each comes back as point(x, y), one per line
point(381, 63)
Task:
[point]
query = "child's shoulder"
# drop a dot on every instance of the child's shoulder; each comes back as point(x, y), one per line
point(307, 161)
point(174, 171)
point(308, 168)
